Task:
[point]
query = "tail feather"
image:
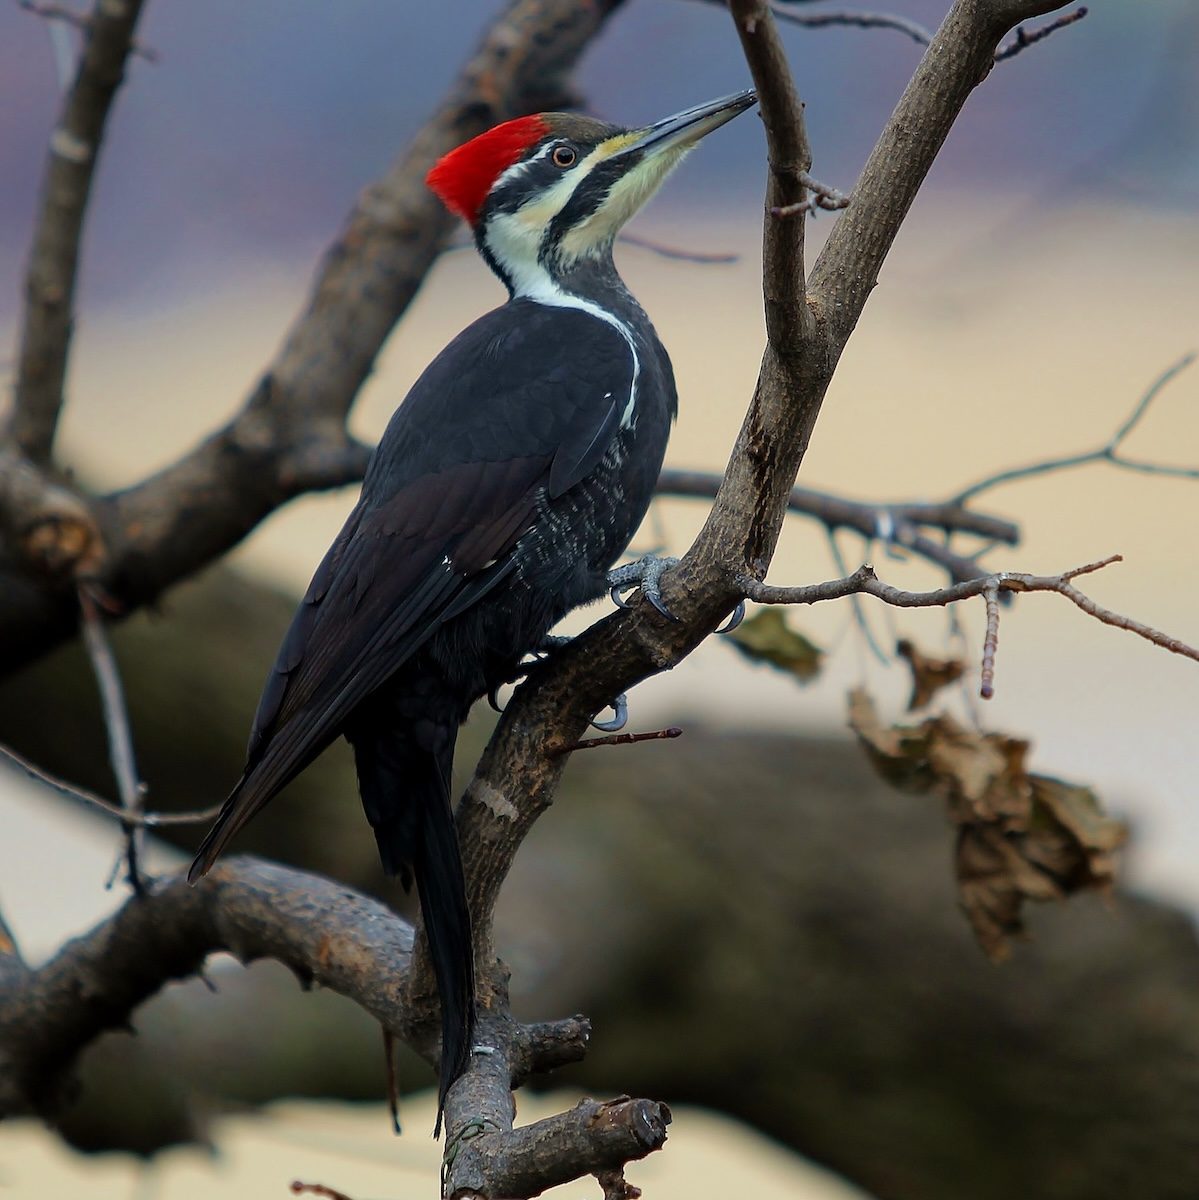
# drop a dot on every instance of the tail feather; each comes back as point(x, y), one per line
point(239, 807)
point(405, 788)
point(442, 890)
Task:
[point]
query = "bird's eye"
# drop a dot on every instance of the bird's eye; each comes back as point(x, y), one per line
point(564, 156)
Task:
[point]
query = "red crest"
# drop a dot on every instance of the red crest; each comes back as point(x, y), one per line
point(463, 177)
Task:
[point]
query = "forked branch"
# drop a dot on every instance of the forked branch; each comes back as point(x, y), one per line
point(864, 582)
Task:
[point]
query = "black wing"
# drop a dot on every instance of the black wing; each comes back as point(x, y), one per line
point(523, 403)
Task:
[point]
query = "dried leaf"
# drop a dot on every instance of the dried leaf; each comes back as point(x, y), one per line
point(929, 675)
point(1020, 836)
point(766, 637)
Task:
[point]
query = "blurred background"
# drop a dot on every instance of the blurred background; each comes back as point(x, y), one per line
point(803, 965)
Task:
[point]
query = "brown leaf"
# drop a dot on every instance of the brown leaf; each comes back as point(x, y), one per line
point(766, 637)
point(1020, 836)
point(929, 675)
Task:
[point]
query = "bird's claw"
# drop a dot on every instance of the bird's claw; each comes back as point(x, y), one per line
point(620, 707)
point(552, 642)
point(646, 573)
point(735, 618)
point(544, 648)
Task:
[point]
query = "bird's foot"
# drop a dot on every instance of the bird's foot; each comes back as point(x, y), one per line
point(547, 645)
point(620, 718)
point(735, 618)
point(646, 573)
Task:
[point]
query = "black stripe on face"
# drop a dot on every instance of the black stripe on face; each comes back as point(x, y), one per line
point(588, 198)
point(534, 176)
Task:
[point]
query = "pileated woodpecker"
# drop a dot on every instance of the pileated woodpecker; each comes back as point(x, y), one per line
point(506, 485)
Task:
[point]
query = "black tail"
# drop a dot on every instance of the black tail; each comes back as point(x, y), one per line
point(404, 777)
point(442, 891)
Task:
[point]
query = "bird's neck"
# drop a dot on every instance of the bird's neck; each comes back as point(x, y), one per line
point(585, 282)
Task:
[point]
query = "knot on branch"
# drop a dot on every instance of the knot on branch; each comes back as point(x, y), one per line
point(54, 529)
point(65, 543)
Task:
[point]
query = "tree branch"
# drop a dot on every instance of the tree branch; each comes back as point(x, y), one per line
point(130, 788)
point(54, 258)
point(894, 524)
point(1023, 40)
point(327, 935)
point(290, 436)
point(323, 931)
point(865, 582)
point(1109, 452)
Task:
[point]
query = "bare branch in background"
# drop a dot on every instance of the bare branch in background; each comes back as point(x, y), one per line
point(54, 257)
point(864, 581)
point(1109, 452)
point(674, 252)
point(137, 819)
point(900, 525)
point(784, 10)
point(1023, 39)
point(855, 20)
point(130, 788)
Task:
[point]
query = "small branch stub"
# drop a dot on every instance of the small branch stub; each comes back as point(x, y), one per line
point(822, 197)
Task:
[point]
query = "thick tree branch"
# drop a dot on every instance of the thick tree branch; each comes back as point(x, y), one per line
point(324, 932)
point(54, 258)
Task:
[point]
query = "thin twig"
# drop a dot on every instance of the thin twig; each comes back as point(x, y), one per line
point(822, 197)
point(299, 1188)
point(642, 243)
point(990, 642)
point(692, 256)
point(865, 582)
point(142, 820)
point(1023, 40)
point(1108, 452)
point(782, 10)
point(857, 20)
point(130, 788)
point(615, 739)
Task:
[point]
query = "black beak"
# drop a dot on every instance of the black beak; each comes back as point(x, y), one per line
point(686, 128)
